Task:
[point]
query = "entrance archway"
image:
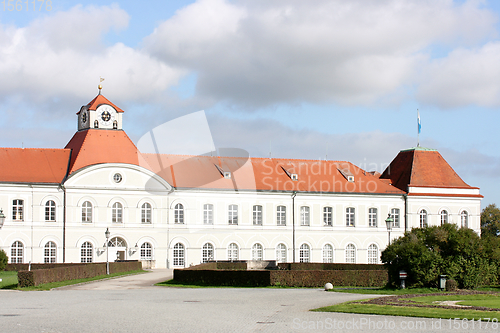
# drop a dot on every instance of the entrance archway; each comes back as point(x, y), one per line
point(117, 249)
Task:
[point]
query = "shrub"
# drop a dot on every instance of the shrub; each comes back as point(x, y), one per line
point(451, 285)
point(3, 260)
point(426, 253)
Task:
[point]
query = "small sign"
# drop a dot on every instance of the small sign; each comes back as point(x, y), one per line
point(403, 275)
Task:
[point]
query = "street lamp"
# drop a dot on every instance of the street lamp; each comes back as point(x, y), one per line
point(107, 252)
point(388, 222)
point(2, 218)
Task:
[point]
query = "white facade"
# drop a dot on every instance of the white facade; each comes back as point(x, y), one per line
point(152, 220)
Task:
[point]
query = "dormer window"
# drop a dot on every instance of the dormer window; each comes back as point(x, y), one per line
point(294, 177)
point(347, 174)
point(227, 174)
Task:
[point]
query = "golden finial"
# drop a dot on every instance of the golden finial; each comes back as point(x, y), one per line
point(100, 86)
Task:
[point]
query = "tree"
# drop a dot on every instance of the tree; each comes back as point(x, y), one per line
point(3, 260)
point(426, 253)
point(490, 221)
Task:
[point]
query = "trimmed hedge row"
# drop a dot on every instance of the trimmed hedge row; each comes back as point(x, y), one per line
point(318, 278)
point(226, 265)
point(25, 267)
point(239, 278)
point(303, 266)
point(36, 277)
point(293, 278)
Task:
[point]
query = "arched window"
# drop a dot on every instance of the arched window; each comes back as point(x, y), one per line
point(146, 212)
point(304, 215)
point(372, 217)
point(146, 251)
point(86, 252)
point(327, 253)
point(96, 124)
point(304, 253)
point(179, 213)
point(208, 214)
point(350, 254)
point(16, 252)
point(87, 212)
point(444, 217)
point(373, 254)
point(50, 211)
point(350, 216)
point(179, 255)
point(117, 242)
point(464, 219)
point(115, 124)
point(257, 252)
point(207, 252)
point(423, 218)
point(395, 217)
point(232, 252)
point(281, 253)
point(17, 210)
point(49, 253)
point(117, 213)
point(281, 215)
point(232, 214)
point(327, 216)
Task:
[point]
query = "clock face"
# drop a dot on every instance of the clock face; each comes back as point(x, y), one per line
point(106, 114)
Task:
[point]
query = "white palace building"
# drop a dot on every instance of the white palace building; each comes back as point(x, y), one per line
point(177, 210)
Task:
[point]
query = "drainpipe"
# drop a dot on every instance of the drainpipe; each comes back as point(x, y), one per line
point(64, 224)
point(405, 196)
point(293, 222)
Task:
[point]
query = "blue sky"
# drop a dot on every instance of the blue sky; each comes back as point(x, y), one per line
point(326, 79)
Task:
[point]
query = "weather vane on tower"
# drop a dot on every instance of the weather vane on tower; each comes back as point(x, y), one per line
point(100, 85)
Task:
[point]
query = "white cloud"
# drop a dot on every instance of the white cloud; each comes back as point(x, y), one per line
point(464, 77)
point(64, 55)
point(258, 53)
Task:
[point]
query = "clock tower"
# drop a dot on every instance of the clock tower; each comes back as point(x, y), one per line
point(100, 113)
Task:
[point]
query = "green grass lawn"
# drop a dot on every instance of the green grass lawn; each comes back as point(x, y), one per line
point(9, 281)
point(486, 300)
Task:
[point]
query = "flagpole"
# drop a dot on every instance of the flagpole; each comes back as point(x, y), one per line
point(418, 128)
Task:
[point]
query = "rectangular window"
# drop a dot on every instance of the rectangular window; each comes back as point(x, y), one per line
point(350, 216)
point(17, 210)
point(257, 215)
point(395, 217)
point(232, 214)
point(304, 215)
point(327, 215)
point(208, 214)
point(281, 215)
point(372, 217)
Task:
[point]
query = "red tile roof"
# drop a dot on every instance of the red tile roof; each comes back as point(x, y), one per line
point(98, 100)
point(264, 174)
point(421, 167)
point(96, 146)
point(33, 165)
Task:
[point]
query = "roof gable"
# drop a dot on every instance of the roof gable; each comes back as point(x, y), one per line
point(98, 100)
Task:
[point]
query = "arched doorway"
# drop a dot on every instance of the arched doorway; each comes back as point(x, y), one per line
point(117, 249)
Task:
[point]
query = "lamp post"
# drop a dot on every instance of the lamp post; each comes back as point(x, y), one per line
point(2, 218)
point(107, 252)
point(388, 222)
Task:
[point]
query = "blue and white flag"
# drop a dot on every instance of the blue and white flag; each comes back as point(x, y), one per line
point(418, 122)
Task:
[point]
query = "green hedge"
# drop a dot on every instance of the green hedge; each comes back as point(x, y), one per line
point(25, 267)
point(329, 266)
point(318, 278)
point(239, 278)
point(36, 277)
point(288, 278)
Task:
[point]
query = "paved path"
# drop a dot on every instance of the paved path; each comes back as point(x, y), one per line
point(136, 281)
point(132, 304)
